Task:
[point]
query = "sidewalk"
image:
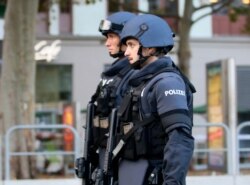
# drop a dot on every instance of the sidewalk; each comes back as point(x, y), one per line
point(191, 180)
point(44, 182)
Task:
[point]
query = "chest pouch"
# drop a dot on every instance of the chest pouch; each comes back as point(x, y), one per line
point(147, 141)
point(105, 101)
point(100, 130)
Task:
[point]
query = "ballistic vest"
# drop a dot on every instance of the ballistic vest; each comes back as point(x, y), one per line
point(148, 137)
point(107, 97)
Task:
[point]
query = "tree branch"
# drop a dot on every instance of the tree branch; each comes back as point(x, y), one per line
point(136, 10)
point(216, 7)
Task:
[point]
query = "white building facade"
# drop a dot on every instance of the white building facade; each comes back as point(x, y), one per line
point(82, 47)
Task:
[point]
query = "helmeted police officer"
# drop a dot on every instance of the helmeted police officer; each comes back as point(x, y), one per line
point(113, 82)
point(156, 114)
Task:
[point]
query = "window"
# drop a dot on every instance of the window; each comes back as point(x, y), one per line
point(43, 6)
point(53, 83)
point(64, 17)
point(164, 7)
point(122, 5)
point(3, 4)
point(167, 9)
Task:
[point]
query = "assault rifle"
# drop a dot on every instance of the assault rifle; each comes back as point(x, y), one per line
point(84, 166)
point(106, 176)
point(109, 161)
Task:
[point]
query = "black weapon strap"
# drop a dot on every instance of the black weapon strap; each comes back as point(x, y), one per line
point(123, 140)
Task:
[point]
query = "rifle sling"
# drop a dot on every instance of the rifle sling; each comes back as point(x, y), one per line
point(125, 137)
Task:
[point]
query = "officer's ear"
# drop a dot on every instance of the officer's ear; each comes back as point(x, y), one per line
point(146, 51)
point(123, 47)
point(151, 51)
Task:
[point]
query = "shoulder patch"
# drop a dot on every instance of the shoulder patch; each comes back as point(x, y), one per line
point(175, 92)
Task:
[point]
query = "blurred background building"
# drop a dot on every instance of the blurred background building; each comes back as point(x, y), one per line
point(70, 54)
point(70, 51)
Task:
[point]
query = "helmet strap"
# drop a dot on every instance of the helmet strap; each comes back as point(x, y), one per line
point(119, 54)
point(138, 64)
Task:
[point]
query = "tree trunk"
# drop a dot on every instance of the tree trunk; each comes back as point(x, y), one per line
point(184, 53)
point(18, 80)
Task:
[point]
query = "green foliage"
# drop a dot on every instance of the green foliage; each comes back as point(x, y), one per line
point(235, 12)
point(247, 25)
point(233, 16)
point(3, 4)
point(127, 5)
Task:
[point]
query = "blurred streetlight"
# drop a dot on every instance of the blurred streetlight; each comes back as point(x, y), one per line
point(246, 1)
point(213, 1)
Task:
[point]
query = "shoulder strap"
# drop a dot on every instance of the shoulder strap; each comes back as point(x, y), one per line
point(124, 111)
point(124, 105)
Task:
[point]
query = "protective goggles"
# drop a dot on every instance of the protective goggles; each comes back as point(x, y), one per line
point(106, 25)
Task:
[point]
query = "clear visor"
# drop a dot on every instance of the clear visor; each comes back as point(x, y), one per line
point(105, 25)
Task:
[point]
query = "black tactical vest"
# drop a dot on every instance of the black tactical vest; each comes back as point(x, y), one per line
point(147, 140)
point(106, 97)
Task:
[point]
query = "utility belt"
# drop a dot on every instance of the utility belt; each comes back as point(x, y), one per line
point(100, 130)
point(142, 139)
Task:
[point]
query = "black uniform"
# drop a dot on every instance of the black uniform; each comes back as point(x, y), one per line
point(109, 94)
point(157, 114)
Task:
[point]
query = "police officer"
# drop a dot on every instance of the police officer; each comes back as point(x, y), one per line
point(156, 143)
point(112, 85)
point(113, 82)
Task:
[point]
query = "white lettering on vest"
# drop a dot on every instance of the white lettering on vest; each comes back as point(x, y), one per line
point(105, 81)
point(175, 92)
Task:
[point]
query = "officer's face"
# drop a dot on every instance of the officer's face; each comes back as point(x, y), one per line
point(132, 50)
point(112, 43)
